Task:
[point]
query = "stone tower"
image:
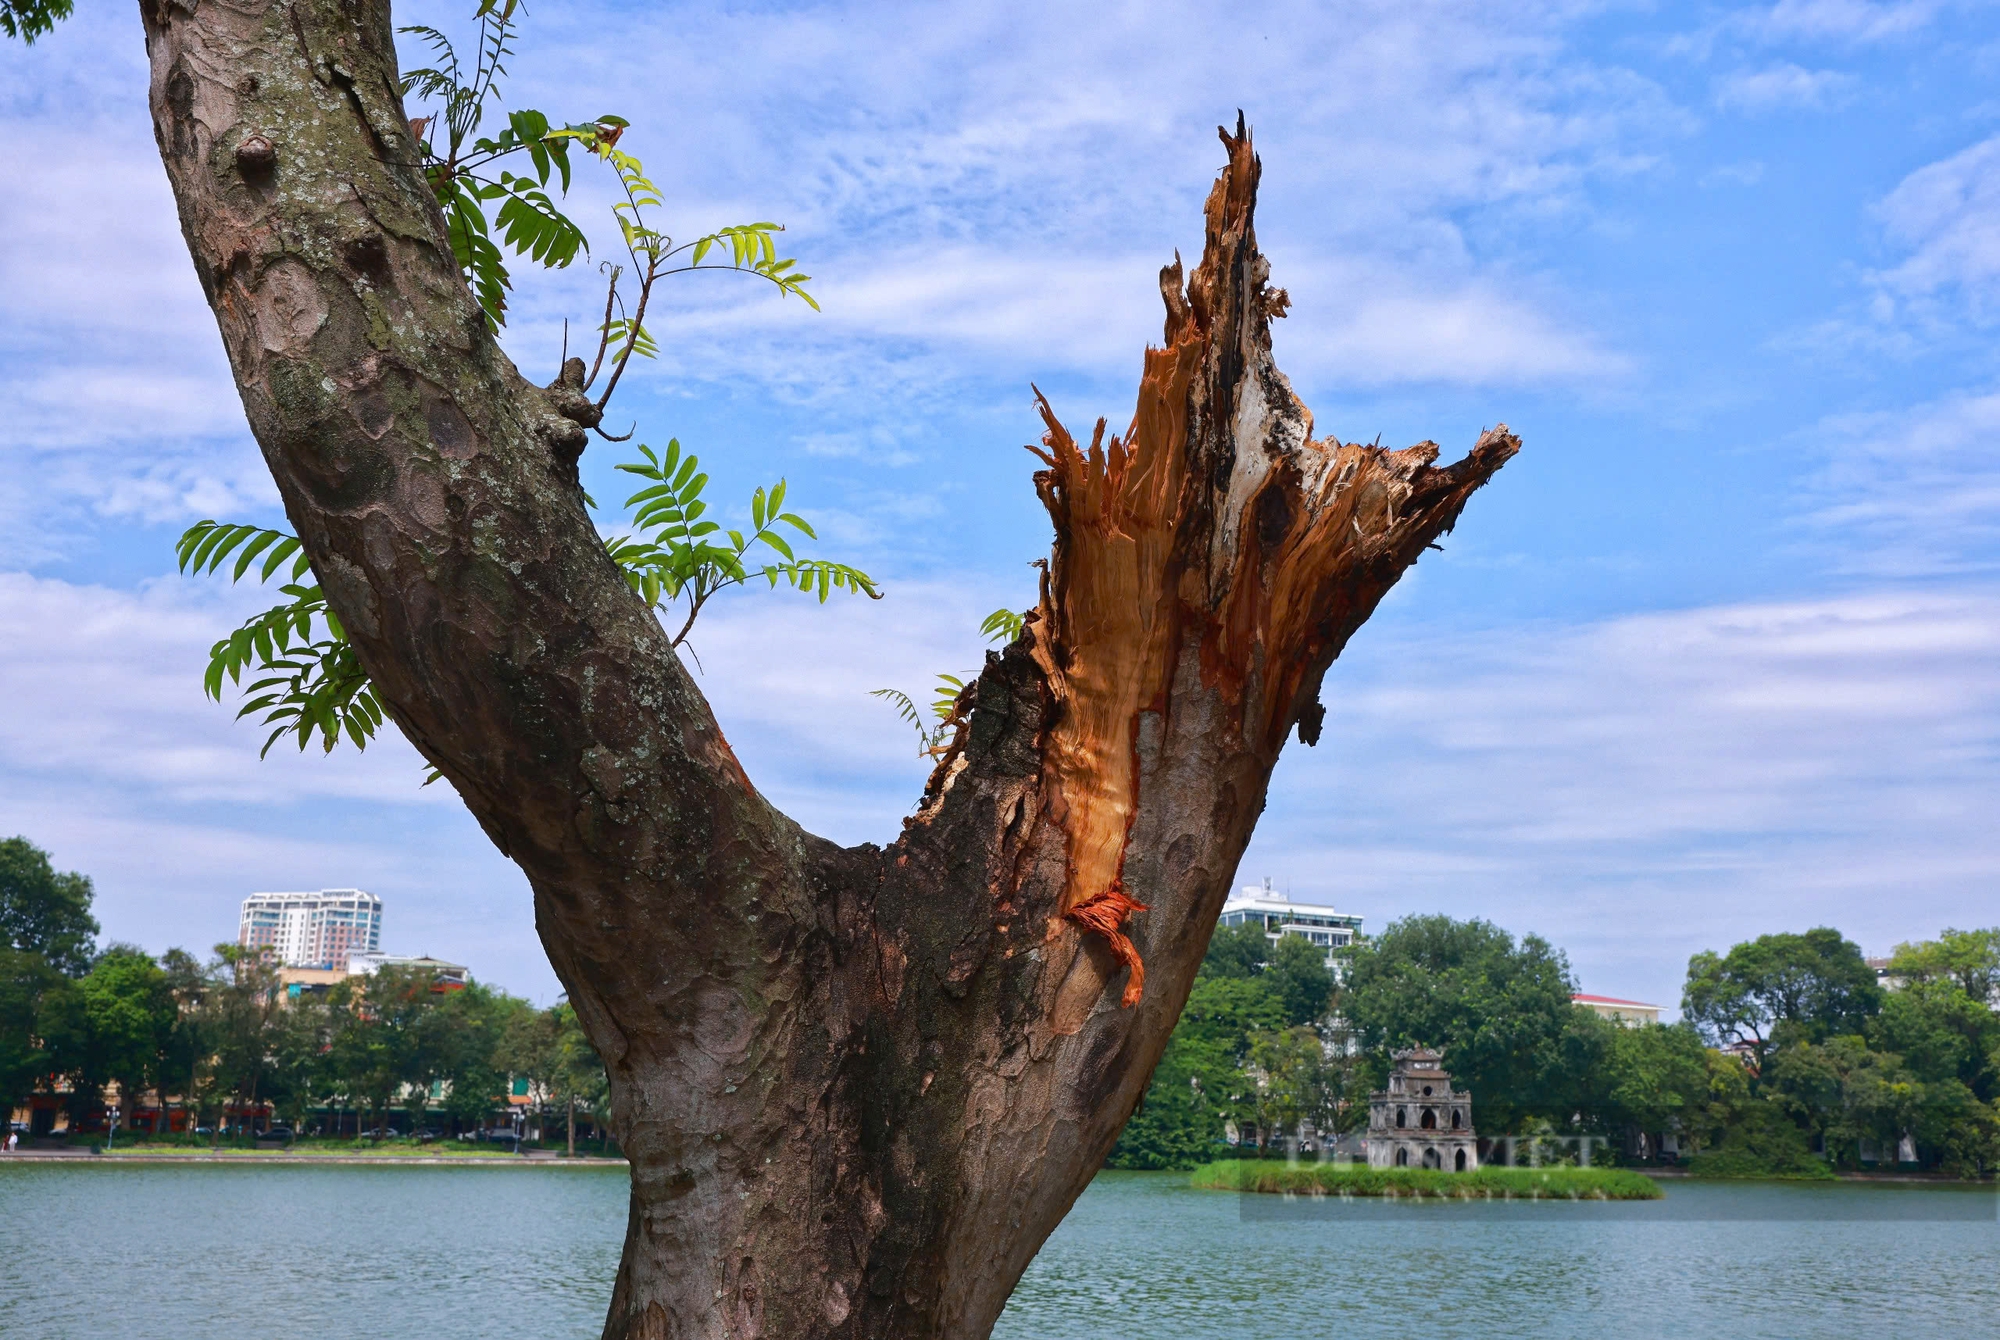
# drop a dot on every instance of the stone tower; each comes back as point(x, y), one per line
point(1419, 1121)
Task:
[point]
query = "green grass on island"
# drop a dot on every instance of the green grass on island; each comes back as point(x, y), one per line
point(1426, 1183)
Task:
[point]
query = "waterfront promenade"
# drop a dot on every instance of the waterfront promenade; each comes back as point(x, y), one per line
point(116, 1157)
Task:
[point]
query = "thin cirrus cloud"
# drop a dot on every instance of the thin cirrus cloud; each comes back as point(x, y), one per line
point(1940, 240)
point(1811, 25)
point(1910, 493)
point(1783, 87)
point(1852, 21)
point(1946, 217)
point(1359, 322)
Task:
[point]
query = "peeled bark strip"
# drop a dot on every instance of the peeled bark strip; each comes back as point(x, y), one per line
point(858, 1086)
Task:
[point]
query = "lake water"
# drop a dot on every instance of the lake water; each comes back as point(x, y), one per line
point(472, 1253)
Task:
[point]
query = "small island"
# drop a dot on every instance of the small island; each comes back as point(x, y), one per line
point(1421, 1145)
point(1358, 1179)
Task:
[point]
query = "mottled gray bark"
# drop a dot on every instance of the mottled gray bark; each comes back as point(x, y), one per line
point(858, 1086)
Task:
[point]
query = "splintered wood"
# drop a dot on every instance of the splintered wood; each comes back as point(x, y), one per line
point(1214, 524)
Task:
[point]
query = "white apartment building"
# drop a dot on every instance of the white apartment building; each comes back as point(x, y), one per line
point(313, 930)
point(1279, 915)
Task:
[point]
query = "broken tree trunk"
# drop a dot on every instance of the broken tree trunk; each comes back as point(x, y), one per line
point(858, 1087)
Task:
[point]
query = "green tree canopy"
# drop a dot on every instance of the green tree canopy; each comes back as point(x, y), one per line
point(1968, 959)
point(1237, 951)
point(1200, 1083)
point(25, 981)
point(1942, 1034)
point(470, 1027)
point(114, 1024)
point(1498, 1010)
point(1298, 974)
point(1293, 970)
point(43, 912)
point(549, 1048)
point(1816, 983)
point(1655, 1078)
point(243, 1014)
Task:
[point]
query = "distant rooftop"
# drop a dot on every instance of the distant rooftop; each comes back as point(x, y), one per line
point(1317, 924)
point(1583, 998)
point(1265, 897)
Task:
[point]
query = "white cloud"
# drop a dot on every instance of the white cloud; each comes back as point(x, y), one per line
point(1947, 215)
point(1843, 24)
point(1909, 493)
point(1003, 202)
point(105, 686)
point(1850, 21)
point(1359, 322)
point(116, 762)
point(1635, 788)
point(1358, 326)
point(1648, 786)
point(1782, 86)
point(984, 182)
point(1734, 174)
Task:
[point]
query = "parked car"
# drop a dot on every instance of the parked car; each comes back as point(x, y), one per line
point(284, 1133)
point(428, 1134)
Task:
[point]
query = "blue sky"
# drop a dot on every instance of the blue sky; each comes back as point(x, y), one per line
point(1714, 656)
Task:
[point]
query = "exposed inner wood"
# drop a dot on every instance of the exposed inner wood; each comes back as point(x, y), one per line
point(1215, 516)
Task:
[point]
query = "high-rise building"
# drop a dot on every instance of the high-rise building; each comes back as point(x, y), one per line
point(313, 930)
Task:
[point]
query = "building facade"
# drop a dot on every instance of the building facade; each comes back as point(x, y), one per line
point(1264, 906)
point(1630, 1013)
point(450, 976)
point(1420, 1121)
point(312, 930)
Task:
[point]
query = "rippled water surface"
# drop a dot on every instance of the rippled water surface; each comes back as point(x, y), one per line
point(465, 1253)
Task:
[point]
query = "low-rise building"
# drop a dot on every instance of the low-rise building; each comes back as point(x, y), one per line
point(1630, 1013)
point(1317, 924)
point(449, 975)
point(1879, 965)
point(296, 982)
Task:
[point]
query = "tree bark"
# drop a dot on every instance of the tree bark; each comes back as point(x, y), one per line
point(858, 1087)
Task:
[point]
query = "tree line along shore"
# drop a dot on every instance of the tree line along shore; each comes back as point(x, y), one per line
point(1792, 1059)
point(116, 1044)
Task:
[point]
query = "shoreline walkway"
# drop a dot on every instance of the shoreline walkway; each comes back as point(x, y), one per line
point(279, 1157)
